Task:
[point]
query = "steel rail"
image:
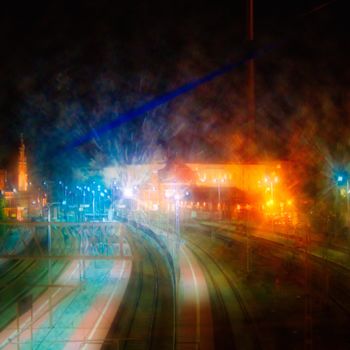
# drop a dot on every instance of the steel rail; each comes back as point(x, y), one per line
point(299, 254)
point(234, 289)
point(227, 339)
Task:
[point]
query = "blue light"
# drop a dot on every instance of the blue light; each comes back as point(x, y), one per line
point(341, 177)
point(167, 97)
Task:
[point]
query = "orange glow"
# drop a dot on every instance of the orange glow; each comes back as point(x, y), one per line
point(270, 203)
point(22, 169)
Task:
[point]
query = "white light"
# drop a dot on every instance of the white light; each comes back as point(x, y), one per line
point(127, 192)
point(169, 193)
point(155, 207)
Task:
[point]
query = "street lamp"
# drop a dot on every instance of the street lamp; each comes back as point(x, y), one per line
point(219, 181)
point(49, 246)
point(271, 183)
point(342, 180)
point(176, 196)
point(93, 204)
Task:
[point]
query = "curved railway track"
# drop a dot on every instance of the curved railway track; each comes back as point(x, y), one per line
point(143, 321)
point(338, 275)
point(224, 317)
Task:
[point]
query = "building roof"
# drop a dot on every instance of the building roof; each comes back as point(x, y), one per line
point(177, 172)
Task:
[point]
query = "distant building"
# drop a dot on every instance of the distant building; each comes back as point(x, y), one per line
point(22, 169)
point(230, 190)
point(20, 201)
point(3, 179)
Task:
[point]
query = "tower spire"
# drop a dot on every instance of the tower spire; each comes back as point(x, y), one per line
point(22, 168)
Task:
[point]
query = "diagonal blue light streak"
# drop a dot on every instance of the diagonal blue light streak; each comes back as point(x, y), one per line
point(160, 100)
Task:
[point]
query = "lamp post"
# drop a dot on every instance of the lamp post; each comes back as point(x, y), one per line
point(49, 247)
point(175, 195)
point(219, 181)
point(271, 183)
point(93, 204)
point(342, 180)
point(177, 216)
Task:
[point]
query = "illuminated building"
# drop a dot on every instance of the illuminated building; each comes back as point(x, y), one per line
point(3, 179)
point(22, 169)
point(20, 201)
point(227, 190)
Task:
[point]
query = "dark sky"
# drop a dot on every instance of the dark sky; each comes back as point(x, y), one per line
point(68, 67)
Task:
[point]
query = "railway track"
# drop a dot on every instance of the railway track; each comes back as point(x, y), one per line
point(143, 321)
point(338, 275)
point(21, 277)
point(227, 334)
point(18, 287)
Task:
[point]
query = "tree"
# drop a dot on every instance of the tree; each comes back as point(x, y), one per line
point(2, 206)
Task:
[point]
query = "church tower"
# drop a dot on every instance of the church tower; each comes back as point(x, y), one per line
point(22, 168)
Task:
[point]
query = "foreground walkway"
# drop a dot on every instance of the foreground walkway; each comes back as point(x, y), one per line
point(82, 309)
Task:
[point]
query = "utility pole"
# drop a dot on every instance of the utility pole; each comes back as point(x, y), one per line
point(251, 72)
point(49, 247)
point(308, 322)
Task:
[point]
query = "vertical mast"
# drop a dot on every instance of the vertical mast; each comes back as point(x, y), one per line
point(251, 73)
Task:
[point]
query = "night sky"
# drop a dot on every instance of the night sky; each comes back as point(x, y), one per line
point(67, 68)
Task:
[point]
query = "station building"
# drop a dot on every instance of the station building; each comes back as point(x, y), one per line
point(203, 190)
